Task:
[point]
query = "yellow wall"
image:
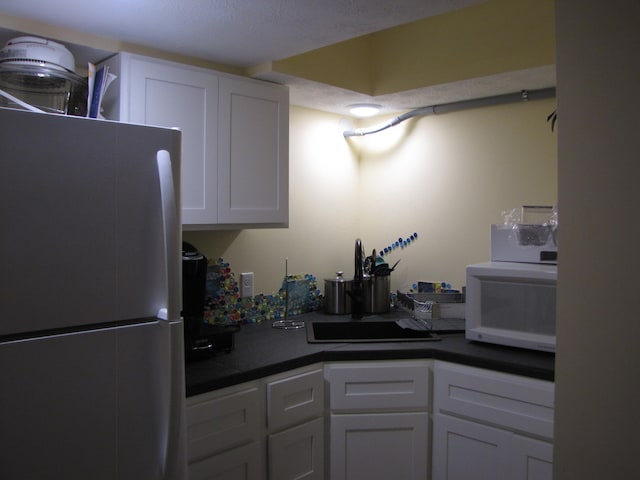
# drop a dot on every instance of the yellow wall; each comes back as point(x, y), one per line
point(487, 39)
point(491, 38)
point(323, 220)
point(446, 177)
point(449, 179)
point(346, 64)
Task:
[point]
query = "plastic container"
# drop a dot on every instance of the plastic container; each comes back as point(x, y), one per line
point(50, 90)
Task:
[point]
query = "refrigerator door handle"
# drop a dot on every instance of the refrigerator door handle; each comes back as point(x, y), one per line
point(171, 227)
point(175, 455)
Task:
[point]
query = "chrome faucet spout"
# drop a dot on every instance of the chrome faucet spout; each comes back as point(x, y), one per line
point(359, 273)
point(357, 290)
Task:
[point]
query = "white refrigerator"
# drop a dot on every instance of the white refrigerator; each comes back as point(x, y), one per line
point(91, 340)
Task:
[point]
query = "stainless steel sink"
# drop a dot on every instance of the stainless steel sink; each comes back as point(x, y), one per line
point(365, 331)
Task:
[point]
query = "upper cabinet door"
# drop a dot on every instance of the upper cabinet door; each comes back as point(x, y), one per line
point(253, 153)
point(173, 95)
point(235, 137)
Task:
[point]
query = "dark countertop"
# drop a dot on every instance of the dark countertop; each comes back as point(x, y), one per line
point(260, 350)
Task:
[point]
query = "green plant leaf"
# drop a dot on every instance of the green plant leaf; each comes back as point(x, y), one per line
point(553, 117)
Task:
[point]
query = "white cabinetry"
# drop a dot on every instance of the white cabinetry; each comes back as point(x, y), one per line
point(271, 428)
point(490, 425)
point(253, 152)
point(379, 424)
point(235, 137)
point(224, 434)
point(295, 418)
point(486, 425)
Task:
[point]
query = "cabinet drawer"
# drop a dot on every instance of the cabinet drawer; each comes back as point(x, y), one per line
point(370, 386)
point(295, 399)
point(222, 419)
point(298, 453)
point(242, 463)
point(501, 399)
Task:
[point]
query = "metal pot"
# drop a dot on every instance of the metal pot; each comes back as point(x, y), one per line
point(377, 291)
point(336, 297)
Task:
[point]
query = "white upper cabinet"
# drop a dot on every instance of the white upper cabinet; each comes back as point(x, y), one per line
point(235, 137)
point(253, 152)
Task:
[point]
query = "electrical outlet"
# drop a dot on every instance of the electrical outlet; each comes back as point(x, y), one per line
point(246, 284)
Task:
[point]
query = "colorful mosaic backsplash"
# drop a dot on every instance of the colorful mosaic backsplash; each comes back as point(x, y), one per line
point(225, 306)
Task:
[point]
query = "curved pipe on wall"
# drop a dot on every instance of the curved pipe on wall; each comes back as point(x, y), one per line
point(524, 95)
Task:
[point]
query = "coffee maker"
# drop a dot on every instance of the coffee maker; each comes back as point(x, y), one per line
point(201, 339)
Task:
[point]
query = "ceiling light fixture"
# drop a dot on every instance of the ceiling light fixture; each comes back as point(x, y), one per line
point(364, 109)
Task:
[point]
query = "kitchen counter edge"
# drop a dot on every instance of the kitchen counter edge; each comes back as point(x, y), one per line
point(261, 350)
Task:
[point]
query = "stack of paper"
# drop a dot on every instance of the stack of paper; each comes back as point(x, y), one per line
point(98, 82)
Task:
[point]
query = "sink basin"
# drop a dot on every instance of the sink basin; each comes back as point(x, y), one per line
point(365, 331)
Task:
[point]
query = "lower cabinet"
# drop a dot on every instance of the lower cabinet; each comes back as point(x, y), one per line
point(295, 425)
point(379, 446)
point(379, 423)
point(298, 452)
point(225, 437)
point(241, 463)
point(374, 420)
point(271, 428)
point(531, 459)
point(491, 425)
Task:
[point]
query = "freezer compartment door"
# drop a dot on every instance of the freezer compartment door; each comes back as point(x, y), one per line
point(99, 405)
point(83, 238)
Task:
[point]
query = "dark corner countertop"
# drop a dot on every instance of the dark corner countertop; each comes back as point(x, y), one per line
point(260, 350)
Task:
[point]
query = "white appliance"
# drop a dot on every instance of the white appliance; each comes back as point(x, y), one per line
point(512, 304)
point(524, 243)
point(91, 340)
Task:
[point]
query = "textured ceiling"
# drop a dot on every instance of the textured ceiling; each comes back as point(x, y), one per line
point(246, 33)
point(318, 96)
point(239, 33)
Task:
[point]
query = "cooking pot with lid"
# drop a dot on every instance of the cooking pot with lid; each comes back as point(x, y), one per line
point(337, 298)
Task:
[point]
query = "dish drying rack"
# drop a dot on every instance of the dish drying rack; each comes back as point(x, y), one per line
point(424, 309)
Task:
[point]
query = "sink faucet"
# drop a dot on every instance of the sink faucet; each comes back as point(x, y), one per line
point(357, 290)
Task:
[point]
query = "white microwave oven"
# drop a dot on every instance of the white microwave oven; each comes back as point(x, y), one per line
point(512, 304)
